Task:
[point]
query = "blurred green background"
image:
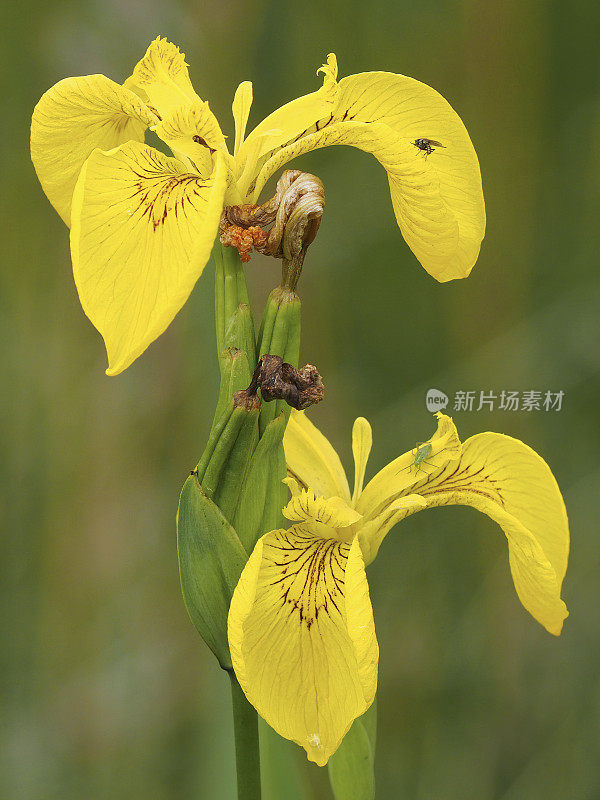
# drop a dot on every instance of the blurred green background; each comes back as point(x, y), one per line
point(107, 690)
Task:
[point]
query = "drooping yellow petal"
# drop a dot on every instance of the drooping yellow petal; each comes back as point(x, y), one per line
point(142, 232)
point(287, 123)
point(333, 511)
point(242, 102)
point(73, 118)
point(437, 197)
point(362, 441)
point(311, 460)
point(511, 483)
point(537, 584)
point(161, 78)
point(192, 130)
point(302, 637)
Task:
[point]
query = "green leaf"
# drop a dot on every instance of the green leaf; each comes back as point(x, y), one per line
point(211, 559)
point(351, 767)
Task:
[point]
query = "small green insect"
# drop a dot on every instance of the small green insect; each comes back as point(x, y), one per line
point(422, 452)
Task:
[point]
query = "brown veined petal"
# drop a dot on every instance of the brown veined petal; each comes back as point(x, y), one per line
point(73, 118)
point(306, 506)
point(161, 78)
point(510, 473)
point(143, 228)
point(437, 197)
point(302, 637)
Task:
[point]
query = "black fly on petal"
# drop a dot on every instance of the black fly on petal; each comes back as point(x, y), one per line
point(427, 145)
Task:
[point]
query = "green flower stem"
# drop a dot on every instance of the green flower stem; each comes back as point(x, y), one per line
point(217, 432)
point(247, 752)
point(223, 449)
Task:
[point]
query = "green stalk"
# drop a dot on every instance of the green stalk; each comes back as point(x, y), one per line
point(234, 326)
point(243, 464)
point(247, 752)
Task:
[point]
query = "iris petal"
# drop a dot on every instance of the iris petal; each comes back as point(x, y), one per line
point(302, 637)
point(73, 118)
point(143, 229)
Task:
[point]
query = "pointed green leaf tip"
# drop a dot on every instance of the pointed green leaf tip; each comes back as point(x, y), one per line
point(351, 767)
point(211, 559)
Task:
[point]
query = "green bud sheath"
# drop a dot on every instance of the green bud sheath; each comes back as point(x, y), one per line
point(255, 513)
point(280, 336)
point(211, 555)
point(235, 375)
point(215, 436)
point(236, 434)
point(280, 327)
point(237, 466)
point(211, 559)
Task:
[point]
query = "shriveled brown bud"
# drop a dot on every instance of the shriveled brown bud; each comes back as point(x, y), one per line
point(295, 213)
point(278, 380)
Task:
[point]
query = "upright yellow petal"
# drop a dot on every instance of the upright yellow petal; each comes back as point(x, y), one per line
point(311, 460)
point(161, 78)
point(401, 476)
point(362, 441)
point(73, 118)
point(242, 102)
point(437, 196)
point(142, 232)
point(287, 123)
point(302, 637)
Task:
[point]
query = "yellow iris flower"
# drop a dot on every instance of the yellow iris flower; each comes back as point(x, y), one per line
point(301, 629)
point(143, 224)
